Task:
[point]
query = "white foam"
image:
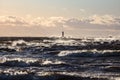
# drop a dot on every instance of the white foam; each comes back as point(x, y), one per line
point(47, 62)
point(118, 78)
point(94, 52)
point(14, 43)
point(2, 59)
point(65, 42)
point(26, 60)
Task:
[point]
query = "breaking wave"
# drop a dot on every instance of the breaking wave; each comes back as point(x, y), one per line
point(60, 59)
point(90, 53)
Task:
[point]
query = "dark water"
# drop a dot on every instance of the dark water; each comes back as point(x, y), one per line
point(60, 59)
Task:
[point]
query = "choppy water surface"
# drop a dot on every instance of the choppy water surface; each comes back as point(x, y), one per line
point(60, 59)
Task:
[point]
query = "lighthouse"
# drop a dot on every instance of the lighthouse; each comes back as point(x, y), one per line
point(63, 34)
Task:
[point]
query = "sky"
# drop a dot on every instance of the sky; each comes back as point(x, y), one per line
point(78, 18)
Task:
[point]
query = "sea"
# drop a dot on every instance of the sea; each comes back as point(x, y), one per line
point(43, 58)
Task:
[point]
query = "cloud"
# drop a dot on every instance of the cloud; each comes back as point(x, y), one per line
point(92, 21)
point(12, 21)
point(27, 26)
point(82, 10)
point(48, 22)
point(105, 20)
